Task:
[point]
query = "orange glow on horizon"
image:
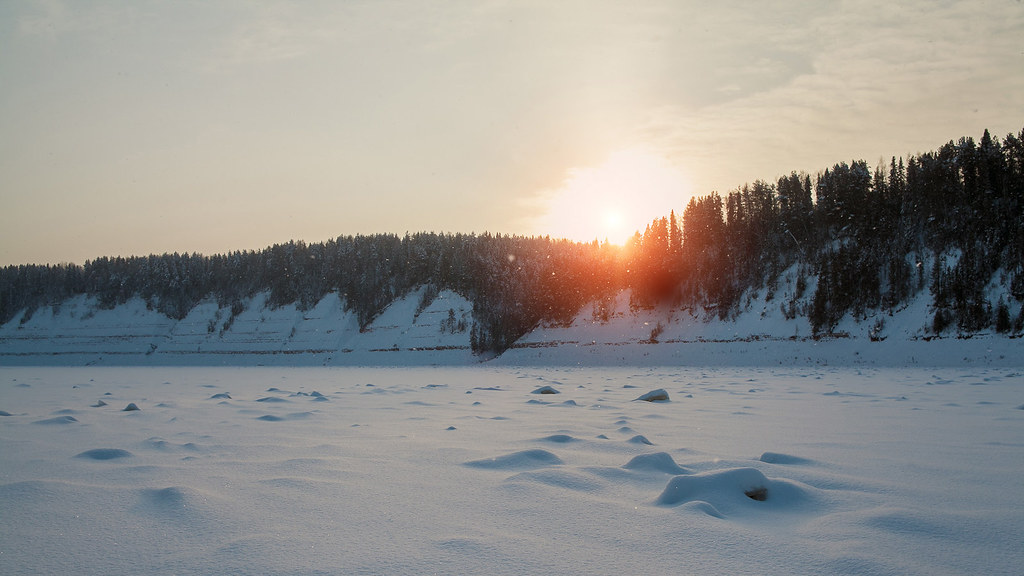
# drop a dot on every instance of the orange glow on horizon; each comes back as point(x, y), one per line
point(613, 200)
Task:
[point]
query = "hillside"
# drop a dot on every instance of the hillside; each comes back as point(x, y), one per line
point(80, 332)
point(411, 332)
point(927, 249)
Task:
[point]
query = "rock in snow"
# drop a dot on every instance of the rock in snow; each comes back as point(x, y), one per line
point(545, 390)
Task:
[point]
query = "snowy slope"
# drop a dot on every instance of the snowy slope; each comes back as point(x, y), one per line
point(761, 335)
point(78, 332)
point(766, 332)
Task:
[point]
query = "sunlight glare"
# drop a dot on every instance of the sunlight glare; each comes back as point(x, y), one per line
point(614, 199)
point(612, 219)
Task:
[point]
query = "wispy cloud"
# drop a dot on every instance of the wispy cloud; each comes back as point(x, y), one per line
point(259, 34)
point(885, 78)
point(55, 18)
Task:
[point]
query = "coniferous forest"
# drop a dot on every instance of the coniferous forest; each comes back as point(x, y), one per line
point(948, 223)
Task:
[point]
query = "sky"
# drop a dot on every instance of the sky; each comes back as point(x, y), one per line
point(134, 127)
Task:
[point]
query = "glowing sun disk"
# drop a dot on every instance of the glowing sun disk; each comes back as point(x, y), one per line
point(614, 199)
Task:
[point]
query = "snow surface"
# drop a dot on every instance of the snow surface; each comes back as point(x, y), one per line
point(244, 470)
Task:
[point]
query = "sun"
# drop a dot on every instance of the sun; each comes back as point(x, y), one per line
point(613, 227)
point(612, 219)
point(614, 199)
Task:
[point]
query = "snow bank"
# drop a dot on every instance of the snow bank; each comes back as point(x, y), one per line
point(760, 336)
point(79, 333)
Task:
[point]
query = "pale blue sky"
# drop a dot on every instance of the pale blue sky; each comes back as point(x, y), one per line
point(146, 127)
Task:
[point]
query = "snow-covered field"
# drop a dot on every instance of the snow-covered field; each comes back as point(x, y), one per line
point(468, 471)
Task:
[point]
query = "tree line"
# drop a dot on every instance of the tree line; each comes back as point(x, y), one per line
point(513, 282)
point(949, 221)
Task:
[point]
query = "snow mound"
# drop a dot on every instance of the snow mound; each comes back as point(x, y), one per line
point(560, 478)
point(545, 390)
point(640, 439)
point(104, 454)
point(175, 503)
point(559, 439)
point(777, 458)
point(659, 395)
point(292, 416)
point(271, 399)
point(733, 490)
point(656, 462)
point(156, 443)
point(522, 460)
point(57, 421)
point(131, 407)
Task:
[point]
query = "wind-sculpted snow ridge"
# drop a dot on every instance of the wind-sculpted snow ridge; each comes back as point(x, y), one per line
point(455, 470)
point(58, 420)
point(524, 459)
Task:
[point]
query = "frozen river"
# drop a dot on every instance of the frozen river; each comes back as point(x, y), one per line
point(471, 470)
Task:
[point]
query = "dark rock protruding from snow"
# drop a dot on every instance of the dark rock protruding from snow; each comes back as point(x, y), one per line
point(545, 390)
point(759, 493)
point(131, 407)
point(659, 395)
